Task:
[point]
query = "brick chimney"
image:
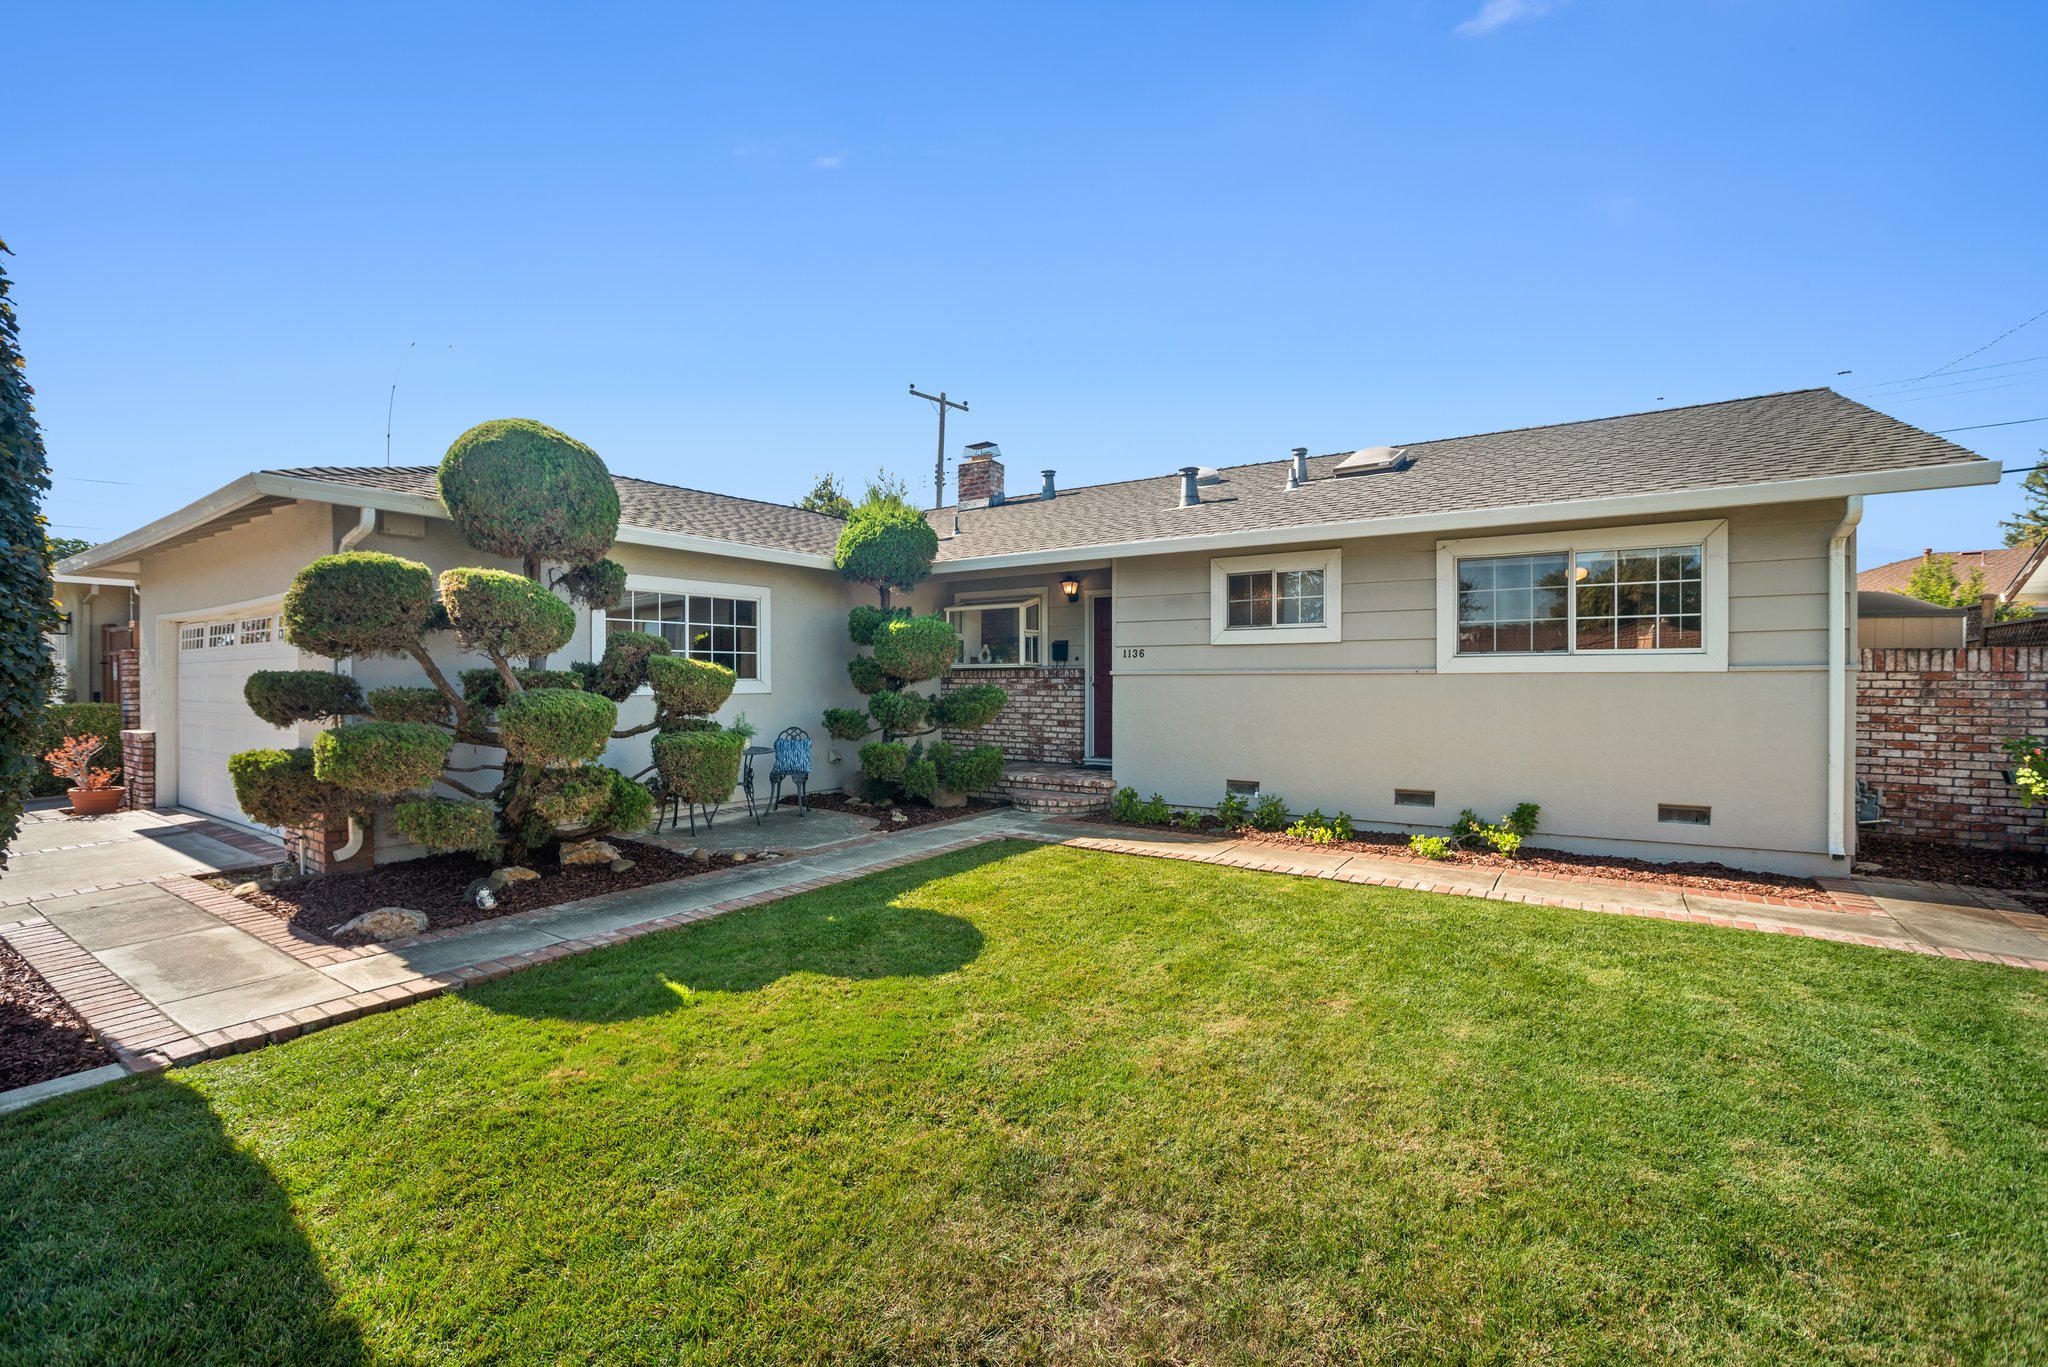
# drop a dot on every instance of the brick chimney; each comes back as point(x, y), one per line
point(981, 476)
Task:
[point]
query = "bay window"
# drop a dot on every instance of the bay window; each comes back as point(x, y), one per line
point(999, 633)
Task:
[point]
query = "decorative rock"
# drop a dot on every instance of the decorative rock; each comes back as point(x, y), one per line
point(621, 865)
point(385, 923)
point(739, 856)
point(896, 816)
point(244, 889)
point(500, 879)
point(946, 797)
point(695, 855)
point(588, 852)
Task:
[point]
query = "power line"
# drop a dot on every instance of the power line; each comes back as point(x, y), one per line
point(1980, 389)
point(1978, 427)
point(1995, 365)
point(1986, 347)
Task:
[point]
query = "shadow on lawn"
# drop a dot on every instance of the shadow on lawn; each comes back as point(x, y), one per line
point(136, 1231)
point(868, 929)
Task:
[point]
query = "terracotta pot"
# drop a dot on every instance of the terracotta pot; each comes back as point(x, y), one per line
point(96, 801)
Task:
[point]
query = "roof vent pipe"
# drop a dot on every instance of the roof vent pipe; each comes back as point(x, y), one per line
point(1189, 495)
point(1047, 491)
point(1298, 476)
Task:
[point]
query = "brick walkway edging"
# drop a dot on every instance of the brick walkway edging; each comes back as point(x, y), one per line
point(1848, 898)
point(144, 1040)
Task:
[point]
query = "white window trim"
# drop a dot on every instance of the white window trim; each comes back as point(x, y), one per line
point(1330, 561)
point(1710, 657)
point(648, 583)
point(972, 603)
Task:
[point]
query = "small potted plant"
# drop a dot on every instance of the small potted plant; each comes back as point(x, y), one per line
point(93, 791)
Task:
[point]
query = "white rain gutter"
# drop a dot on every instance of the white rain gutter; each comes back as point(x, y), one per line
point(366, 522)
point(1838, 676)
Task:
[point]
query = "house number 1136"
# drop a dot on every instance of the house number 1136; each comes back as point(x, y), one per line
point(1134, 652)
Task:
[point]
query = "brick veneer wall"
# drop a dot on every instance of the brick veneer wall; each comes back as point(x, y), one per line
point(138, 768)
point(1928, 728)
point(127, 669)
point(1044, 720)
point(314, 847)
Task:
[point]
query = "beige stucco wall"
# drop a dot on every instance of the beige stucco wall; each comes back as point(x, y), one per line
point(1342, 724)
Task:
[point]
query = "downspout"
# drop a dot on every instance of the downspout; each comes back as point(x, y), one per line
point(1838, 676)
point(366, 522)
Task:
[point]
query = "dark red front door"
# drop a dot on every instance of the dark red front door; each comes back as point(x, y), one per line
point(1100, 657)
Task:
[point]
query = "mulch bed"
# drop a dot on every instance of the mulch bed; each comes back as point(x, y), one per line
point(915, 813)
point(40, 1037)
point(1699, 876)
point(2020, 873)
point(439, 886)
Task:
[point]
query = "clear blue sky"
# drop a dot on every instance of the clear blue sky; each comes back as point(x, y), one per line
point(716, 242)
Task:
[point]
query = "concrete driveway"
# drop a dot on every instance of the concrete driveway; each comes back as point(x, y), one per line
point(58, 855)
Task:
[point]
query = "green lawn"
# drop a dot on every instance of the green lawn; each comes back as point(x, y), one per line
point(1035, 1104)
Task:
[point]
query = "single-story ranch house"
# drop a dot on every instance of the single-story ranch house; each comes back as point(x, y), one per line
point(1645, 623)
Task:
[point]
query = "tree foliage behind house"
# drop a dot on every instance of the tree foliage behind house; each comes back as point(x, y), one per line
point(1936, 580)
point(27, 610)
point(2029, 526)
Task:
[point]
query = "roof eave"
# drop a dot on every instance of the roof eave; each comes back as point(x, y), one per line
point(1961, 474)
point(711, 545)
point(127, 546)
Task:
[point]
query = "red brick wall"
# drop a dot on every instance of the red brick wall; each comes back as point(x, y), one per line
point(1928, 728)
point(138, 768)
point(314, 846)
point(127, 669)
point(1044, 718)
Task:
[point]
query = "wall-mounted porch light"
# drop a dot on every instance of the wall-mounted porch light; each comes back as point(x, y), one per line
point(1070, 585)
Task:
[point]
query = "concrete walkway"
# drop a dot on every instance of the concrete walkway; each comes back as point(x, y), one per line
point(171, 970)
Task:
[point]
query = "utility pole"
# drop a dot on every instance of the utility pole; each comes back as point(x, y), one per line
point(939, 470)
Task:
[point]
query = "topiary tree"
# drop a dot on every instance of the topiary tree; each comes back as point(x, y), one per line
point(907, 650)
point(516, 489)
point(886, 543)
point(699, 760)
point(27, 606)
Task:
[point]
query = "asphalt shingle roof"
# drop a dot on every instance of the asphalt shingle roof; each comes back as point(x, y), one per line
point(1803, 434)
point(2006, 569)
point(642, 503)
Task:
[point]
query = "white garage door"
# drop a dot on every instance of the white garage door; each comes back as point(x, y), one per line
point(214, 659)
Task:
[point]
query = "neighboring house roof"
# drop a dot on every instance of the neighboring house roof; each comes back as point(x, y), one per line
point(2006, 569)
point(1811, 443)
point(1875, 604)
point(642, 504)
point(1799, 440)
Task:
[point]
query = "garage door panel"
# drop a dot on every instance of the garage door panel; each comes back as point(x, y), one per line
point(215, 659)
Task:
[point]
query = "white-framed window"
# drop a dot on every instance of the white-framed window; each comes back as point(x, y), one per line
point(257, 631)
point(999, 634)
point(1606, 599)
point(726, 624)
point(192, 637)
point(221, 635)
point(1284, 597)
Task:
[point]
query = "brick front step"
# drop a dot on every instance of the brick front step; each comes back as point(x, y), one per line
point(1057, 778)
point(1060, 802)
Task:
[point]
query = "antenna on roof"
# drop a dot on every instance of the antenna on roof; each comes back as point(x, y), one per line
point(392, 402)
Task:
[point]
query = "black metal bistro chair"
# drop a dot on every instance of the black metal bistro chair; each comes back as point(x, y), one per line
point(793, 764)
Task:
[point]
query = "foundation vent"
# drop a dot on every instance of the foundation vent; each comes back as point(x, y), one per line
point(1682, 814)
point(1414, 797)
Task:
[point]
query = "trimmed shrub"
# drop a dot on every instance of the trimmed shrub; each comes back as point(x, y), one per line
point(280, 788)
point(884, 760)
point(485, 687)
point(59, 720)
point(971, 706)
point(630, 806)
point(921, 779)
point(699, 766)
point(916, 648)
point(358, 603)
point(1233, 811)
point(508, 614)
point(601, 585)
point(689, 688)
point(1124, 804)
point(619, 674)
point(886, 543)
point(866, 673)
point(381, 757)
point(570, 797)
point(556, 725)
point(424, 705)
point(846, 724)
point(973, 771)
point(522, 490)
point(900, 713)
point(444, 824)
point(864, 621)
point(1270, 814)
point(284, 696)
